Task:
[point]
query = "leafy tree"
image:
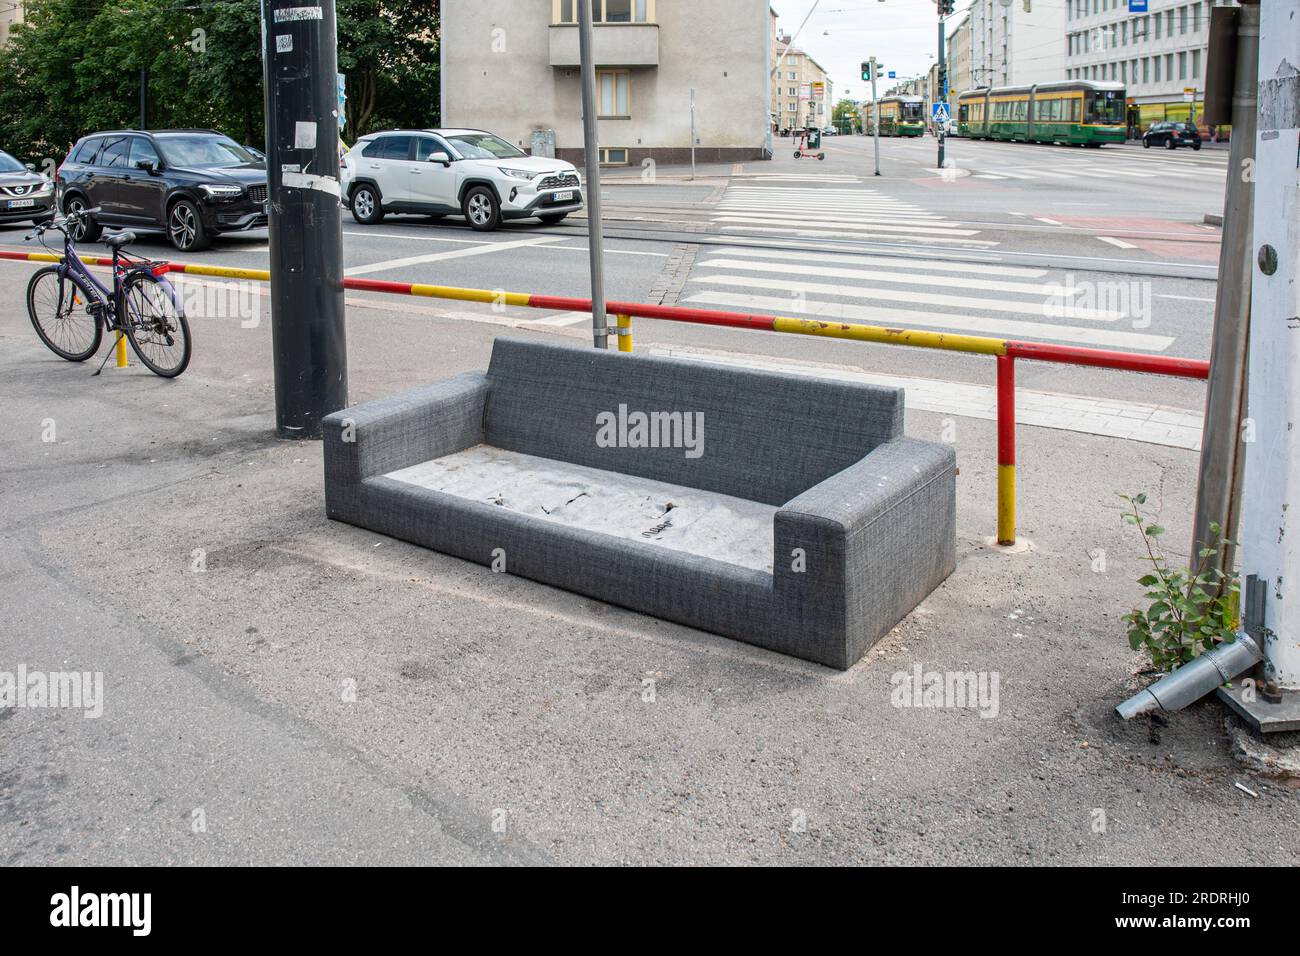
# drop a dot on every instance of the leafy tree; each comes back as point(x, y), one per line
point(74, 66)
point(845, 116)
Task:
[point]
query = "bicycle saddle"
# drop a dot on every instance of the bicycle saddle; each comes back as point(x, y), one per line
point(116, 240)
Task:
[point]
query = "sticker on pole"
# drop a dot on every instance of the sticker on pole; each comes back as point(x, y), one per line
point(296, 14)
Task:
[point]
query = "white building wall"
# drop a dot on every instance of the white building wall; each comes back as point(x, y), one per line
point(1012, 46)
point(498, 74)
point(1157, 55)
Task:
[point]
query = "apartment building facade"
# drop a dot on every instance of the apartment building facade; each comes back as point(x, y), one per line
point(1158, 55)
point(1017, 42)
point(512, 67)
point(11, 12)
point(959, 59)
point(795, 100)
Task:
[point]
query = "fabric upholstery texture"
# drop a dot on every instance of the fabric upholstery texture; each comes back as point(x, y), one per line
point(865, 526)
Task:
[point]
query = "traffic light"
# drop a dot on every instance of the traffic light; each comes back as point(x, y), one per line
point(866, 72)
point(948, 7)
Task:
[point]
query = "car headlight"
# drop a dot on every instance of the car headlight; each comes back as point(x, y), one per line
point(44, 189)
point(516, 173)
point(219, 191)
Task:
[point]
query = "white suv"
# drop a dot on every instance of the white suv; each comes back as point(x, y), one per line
point(441, 172)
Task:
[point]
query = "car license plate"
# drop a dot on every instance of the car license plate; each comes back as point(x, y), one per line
point(22, 203)
point(564, 196)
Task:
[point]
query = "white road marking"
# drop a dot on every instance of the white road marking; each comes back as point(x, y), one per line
point(1050, 222)
point(389, 264)
point(799, 258)
point(1056, 299)
point(1134, 421)
point(873, 225)
point(904, 318)
point(904, 278)
point(418, 237)
point(815, 232)
point(1185, 298)
point(1117, 243)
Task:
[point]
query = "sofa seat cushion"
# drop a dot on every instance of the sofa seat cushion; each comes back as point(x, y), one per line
point(703, 523)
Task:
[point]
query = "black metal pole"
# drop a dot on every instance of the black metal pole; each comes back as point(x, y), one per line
point(144, 97)
point(940, 95)
point(300, 66)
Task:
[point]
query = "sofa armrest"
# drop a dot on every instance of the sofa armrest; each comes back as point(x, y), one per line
point(398, 432)
point(875, 540)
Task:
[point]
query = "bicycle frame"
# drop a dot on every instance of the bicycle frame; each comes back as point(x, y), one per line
point(112, 301)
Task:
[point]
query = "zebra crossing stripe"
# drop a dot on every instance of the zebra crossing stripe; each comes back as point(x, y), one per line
point(815, 232)
point(1054, 299)
point(878, 224)
point(877, 275)
point(800, 260)
point(904, 318)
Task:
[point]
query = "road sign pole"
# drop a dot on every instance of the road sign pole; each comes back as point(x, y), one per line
point(595, 227)
point(942, 83)
point(309, 343)
point(692, 134)
point(875, 114)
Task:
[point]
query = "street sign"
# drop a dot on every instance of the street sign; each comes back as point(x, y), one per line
point(893, 75)
point(1189, 94)
point(1137, 6)
point(939, 113)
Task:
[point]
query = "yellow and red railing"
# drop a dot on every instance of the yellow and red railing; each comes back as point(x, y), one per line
point(1005, 351)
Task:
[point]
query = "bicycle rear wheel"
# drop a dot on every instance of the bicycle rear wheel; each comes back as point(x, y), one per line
point(156, 325)
point(59, 307)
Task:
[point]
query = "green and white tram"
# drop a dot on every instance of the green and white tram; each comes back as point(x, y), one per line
point(1073, 111)
point(902, 116)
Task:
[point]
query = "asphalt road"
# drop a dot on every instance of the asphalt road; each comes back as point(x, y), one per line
point(1103, 248)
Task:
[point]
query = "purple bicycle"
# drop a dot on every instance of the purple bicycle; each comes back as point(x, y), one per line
point(71, 309)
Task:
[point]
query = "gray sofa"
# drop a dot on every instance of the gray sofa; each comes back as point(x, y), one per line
point(784, 511)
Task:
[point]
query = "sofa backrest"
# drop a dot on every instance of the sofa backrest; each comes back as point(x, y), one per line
point(764, 436)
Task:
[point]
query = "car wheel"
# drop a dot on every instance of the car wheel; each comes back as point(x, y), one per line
point(1196, 146)
point(367, 208)
point(481, 209)
point(185, 227)
point(1146, 143)
point(554, 218)
point(1170, 144)
point(87, 230)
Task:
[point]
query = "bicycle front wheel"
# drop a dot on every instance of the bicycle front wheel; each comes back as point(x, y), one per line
point(59, 307)
point(156, 325)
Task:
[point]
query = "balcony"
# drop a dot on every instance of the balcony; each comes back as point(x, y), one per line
point(616, 44)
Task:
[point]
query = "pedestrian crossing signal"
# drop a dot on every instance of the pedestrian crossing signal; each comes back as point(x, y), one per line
point(866, 72)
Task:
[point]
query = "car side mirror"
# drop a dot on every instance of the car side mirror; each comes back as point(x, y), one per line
point(147, 165)
point(31, 167)
point(441, 158)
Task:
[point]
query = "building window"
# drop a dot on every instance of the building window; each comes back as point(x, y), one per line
point(613, 156)
point(1146, 69)
point(1169, 66)
point(1196, 64)
point(605, 11)
point(1182, 65)
point(1156, 60)
point(612, 88)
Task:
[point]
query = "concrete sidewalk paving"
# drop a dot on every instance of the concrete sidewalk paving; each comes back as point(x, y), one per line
point(281, 689)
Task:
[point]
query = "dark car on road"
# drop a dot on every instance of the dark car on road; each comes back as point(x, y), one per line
point(1171, 136)
point(192, 184)
point(25, 195)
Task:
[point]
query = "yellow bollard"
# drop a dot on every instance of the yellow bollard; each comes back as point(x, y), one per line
point(625, 333)
point(121, 350)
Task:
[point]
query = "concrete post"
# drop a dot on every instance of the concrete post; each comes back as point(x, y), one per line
point(1270, 534)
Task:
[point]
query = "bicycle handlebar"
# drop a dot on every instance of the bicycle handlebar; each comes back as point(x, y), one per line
point(59, 223)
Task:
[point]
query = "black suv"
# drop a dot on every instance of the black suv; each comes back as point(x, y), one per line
point(1171, 136)
point(25, 195)
point(192, 184)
